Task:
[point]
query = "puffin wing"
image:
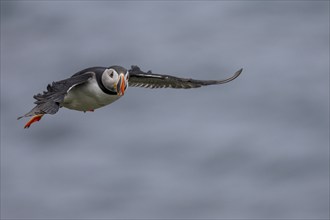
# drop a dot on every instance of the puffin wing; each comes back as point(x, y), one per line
point(49, 101)
point(138, 78)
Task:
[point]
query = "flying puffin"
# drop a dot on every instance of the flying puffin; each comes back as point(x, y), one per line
point(96, 87)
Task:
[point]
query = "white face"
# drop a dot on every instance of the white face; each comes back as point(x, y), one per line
point(115, 82)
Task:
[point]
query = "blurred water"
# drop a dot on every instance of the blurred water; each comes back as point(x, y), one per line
point(257, 147)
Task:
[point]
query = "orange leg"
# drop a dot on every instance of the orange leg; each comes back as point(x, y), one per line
point(33, 119)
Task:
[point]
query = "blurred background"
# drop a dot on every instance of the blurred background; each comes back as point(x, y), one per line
point(257, 147)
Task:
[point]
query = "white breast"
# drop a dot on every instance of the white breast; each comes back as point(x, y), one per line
point(87, 96)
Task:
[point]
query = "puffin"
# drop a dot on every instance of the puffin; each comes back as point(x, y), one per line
point(96, 87)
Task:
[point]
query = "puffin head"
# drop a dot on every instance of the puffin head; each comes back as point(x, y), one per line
point(115, 79)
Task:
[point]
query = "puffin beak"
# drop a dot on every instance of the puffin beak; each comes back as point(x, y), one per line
point(121, 85)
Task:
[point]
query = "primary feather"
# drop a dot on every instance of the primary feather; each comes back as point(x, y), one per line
point(151, 80)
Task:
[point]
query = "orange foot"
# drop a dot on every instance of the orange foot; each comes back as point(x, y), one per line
point(33, 119)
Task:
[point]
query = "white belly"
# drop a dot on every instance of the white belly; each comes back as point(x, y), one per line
point(87, 96)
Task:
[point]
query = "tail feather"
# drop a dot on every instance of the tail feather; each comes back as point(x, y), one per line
point(43, 108)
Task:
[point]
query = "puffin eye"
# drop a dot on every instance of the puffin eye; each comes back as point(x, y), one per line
point(111, 74)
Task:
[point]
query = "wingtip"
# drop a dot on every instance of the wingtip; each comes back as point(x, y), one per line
point(239, 71)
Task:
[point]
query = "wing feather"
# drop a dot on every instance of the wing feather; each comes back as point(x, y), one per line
point(49, 101)
point(138, 78)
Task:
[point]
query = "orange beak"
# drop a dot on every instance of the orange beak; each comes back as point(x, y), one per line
point(121, 86)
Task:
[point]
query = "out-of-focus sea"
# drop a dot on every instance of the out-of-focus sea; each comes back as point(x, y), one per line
point(257, 147)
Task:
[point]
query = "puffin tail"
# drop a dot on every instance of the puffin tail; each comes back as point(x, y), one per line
point(29, 114)
point(36, 116)
point(40, 110)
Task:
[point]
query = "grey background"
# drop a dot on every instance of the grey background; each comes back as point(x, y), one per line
point(257, 147)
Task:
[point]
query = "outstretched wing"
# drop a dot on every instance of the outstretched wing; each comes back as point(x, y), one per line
point(49, 101)
point(138, 78)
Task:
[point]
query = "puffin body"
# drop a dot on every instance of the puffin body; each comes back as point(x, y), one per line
point(96, 87)
point(93, 94)
point(87, 97)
